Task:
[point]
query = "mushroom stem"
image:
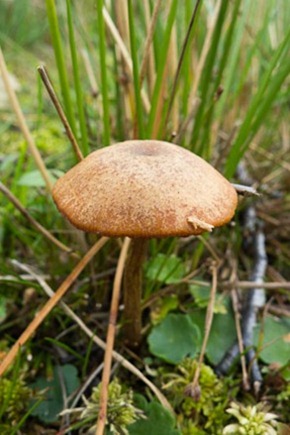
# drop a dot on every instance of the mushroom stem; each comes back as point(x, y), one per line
point(133, 291)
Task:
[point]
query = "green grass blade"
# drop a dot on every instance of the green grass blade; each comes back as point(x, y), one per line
point(161, 65)
point(186, 67)
point(23, 419)
point(244, 139)
point(139, 109)
point(67, 348)
point(119, 105)
point(227, 45)
point(39, 101)
point(59, 57)
point(207, 91)
point(232, 62)
point(103, 67)
point(77, 81)
point(185, 48)
point(266, 102)
point(260, 105)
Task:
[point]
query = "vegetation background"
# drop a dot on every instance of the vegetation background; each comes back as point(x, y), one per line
point(210, 75)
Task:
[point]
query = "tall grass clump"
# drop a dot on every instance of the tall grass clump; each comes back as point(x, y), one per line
point(209, 75)
point(221, 65)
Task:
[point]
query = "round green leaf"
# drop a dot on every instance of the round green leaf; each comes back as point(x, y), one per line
point(174, 338)
point(158, 421)
point(276, 341)
point(53, 403)
point(222, 334)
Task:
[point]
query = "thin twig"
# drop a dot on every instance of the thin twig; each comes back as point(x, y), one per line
point(12, 278)
point(245, 190)
point(47, 83)
point(205, 49)
point(172, 68)
point(90, 73)
point(193, 388)
point(278, 311)
point(150, 63)
point(124, 52)
point(111, 337)
point(183, 127)
point(209, 247)
point(161, 98)
point(22, 123)
point(235, 304)
point(119, 358)
point(50, 304)
point(148, 42)
point(34, 222)
point(266, 285)
point(86, 384)
point(246, 285)
point(180, 61)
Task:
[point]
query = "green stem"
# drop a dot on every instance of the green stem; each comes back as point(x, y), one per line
point(137, 89)
point(185, 48)
point(104, 87)
point(161, 66)
point(59, 57)
point(77, 81)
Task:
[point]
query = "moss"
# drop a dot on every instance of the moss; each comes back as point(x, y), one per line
point(14, 399)
point(205, 414)
point(121, 411)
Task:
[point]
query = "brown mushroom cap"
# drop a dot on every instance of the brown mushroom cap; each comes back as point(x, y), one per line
point(144, 189)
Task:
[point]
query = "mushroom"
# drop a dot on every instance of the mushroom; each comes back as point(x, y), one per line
point(143, 189)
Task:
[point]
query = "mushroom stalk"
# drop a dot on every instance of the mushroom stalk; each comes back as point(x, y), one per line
point(133, 291)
